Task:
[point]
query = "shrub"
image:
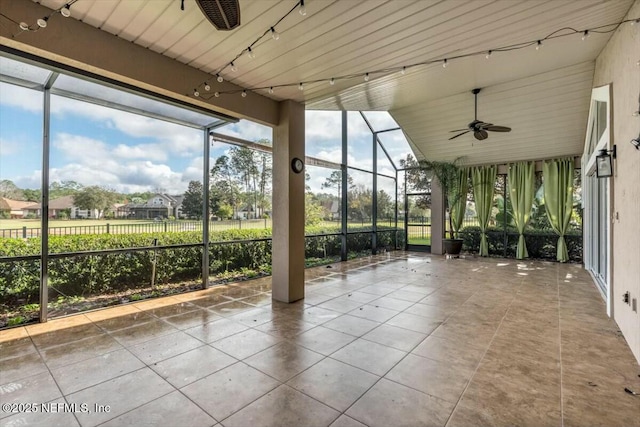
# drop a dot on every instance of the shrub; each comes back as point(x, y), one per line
point(541, 244)
point(85, 275)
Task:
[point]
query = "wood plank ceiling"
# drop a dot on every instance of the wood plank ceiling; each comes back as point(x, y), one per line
point(543, 95)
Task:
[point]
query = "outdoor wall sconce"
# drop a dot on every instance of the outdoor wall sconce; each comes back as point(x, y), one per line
point(604, 164)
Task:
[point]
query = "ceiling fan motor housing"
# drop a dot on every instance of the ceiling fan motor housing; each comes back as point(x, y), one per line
point(223, 14)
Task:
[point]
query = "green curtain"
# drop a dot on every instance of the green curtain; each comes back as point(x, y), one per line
point(483, 179)
point(557, 176)
point(521, 182)
point(460, 206)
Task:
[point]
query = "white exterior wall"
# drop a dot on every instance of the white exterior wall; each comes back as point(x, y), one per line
point(617, 65)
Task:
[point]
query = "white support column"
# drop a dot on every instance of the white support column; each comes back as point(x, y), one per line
point(288, 205)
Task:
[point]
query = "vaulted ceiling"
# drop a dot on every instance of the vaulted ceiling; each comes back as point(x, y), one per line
point(542, 94)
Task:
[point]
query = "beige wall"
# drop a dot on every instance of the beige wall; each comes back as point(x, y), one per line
point(617, 65)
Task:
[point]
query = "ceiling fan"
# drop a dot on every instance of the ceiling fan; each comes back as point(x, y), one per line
point(478, 127)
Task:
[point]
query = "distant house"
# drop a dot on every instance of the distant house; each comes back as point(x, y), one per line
point(15, 208)
point(332, 207)
point(60, 205)
point(158, 206)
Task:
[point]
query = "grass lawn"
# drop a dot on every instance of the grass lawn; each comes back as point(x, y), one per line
point(413, 241)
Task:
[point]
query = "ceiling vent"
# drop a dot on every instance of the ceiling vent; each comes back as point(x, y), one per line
point(223, 14)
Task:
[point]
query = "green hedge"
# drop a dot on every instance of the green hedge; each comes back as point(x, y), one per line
point(111, 273)
point(541, 244)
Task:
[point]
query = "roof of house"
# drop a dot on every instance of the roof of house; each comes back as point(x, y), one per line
point(6, 203)
point(64, 202)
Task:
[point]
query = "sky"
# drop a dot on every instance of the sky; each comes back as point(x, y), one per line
point(96, 145)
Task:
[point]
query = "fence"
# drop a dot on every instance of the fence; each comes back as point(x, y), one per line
point(147, 227)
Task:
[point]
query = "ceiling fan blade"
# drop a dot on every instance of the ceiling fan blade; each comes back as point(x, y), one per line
point(493, 128)
point(460, 134)
point(481, 135)
point(458, 130)
point(484, 125)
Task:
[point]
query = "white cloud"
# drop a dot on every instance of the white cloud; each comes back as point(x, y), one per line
point(8, 148)
point(247, 130)
point(19, 97)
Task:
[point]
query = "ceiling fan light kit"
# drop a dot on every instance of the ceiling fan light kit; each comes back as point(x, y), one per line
point(478, 127)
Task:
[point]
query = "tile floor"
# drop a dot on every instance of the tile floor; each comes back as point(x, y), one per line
point(394, 340)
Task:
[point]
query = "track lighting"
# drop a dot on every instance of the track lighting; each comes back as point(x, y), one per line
point(274, 34)
point(207, 87)
point(252, 54)
point(65, 11)
point(42, 22)
point(303, 9)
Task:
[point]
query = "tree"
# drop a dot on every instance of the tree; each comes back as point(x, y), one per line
point(63, 188)
point(193, 200)
point(224, 211)
point(11, 191)
point(95, 197)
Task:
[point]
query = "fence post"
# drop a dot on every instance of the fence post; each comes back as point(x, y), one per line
point(239, 224)
point(165, 227)
point(153, 264)
point(108, 228)
point(24, 232)
point(265, 223)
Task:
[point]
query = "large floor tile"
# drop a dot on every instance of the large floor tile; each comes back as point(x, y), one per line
point(246, 343)
point(173, 409)
point(392, 336)
point(193, 365)
point(334, 383)
point(283, 407)
point(225, 392)
point(391, 404)
point(283, 360)
point(217, 330)
point(445, 380)
point(77, 376)
point(120, 394)
point(370, 356)
point(351, 325)
point(164, 347)
point(323, 340)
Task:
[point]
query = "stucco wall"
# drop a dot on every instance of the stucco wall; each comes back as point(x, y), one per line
point(618, 65)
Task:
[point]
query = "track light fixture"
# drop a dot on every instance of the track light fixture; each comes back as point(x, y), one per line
point(65, 11)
